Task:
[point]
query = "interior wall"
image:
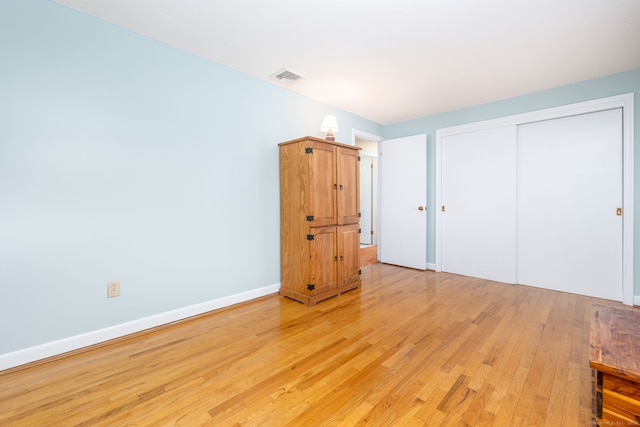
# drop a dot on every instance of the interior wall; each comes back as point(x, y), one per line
point(628, 82)
point(122, 158)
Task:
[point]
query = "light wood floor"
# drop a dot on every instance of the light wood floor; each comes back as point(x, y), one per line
point(409, 348)
point(368, 255)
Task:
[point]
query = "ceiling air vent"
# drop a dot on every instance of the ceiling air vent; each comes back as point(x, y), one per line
point(286, 76)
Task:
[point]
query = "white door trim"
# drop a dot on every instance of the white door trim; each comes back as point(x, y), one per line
point(364, 135)
point(371, 137)
point(626, 102)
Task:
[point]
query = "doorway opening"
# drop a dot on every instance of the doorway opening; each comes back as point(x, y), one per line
point(368, 196)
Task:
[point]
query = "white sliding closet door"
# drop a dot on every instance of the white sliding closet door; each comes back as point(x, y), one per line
point(479, 200)
point(569, 190)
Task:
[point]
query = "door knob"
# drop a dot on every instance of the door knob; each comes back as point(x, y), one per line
point(421, 208)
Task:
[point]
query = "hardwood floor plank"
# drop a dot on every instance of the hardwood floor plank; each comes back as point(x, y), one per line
point(408, 348)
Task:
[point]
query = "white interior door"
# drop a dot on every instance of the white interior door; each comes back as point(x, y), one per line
point(569, 190)
point(403, 190)
point(366, 199)
point(478, 212)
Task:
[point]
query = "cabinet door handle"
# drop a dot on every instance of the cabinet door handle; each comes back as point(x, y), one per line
point(341, 258)
point(341, 187)
point(335, 186)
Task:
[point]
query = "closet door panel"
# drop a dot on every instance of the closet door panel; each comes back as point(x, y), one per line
point(479, 201)
point(569, 190)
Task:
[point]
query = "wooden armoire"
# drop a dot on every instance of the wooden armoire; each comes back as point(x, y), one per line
point(319, 219)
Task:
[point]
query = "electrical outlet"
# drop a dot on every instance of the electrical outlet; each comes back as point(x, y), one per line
point(113, 289)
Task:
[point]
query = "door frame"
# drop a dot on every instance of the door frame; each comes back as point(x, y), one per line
point(378, 139)
point(626, 102)
point(367, 171)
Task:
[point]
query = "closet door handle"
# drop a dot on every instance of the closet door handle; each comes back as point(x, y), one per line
point(421, 208)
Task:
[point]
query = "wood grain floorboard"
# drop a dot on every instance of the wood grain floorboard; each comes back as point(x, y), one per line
point(368, 255)
point(408, 348)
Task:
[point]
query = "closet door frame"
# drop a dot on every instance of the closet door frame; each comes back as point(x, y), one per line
point(626, 102)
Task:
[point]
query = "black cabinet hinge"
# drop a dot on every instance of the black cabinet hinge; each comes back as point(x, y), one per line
point(359, 271)
point(359, 230)
point(359, 214)
point(308, 150)
point(311, 236)
point(311, 286)
point(358, 158)
point(310, 218)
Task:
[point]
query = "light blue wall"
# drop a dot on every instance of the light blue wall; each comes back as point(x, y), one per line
point(123, 158)
point(593, 89)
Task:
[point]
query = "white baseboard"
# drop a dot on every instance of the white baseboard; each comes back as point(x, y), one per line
point(431, 266)
point(636, 300)
point(54, 348)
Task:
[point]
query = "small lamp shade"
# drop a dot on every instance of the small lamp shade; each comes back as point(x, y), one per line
point(329, 125)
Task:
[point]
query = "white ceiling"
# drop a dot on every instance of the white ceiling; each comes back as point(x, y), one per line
point(390, 61)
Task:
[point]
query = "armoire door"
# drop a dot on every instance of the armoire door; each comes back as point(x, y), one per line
point(569, 193)
point(348, 185)
point(324, 259)
point(348, 254)
point(322, 177)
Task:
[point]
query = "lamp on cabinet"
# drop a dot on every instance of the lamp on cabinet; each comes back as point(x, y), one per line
point(329, 125)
